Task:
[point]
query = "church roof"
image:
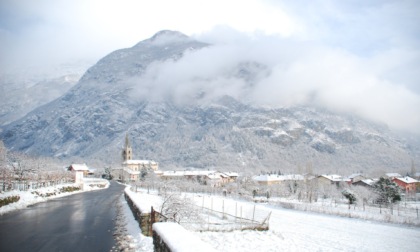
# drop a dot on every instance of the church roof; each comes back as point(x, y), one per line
point(79, 167)
point(129, 171)
point(137, 162)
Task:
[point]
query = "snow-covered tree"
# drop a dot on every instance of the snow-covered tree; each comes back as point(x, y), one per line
point(178, 208)
point(388, 192)
point(364, 194)
point(6, 173)
point(349, 195)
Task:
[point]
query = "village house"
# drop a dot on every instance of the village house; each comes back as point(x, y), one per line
point(232, 176)
point(271, 179)
point(83, 168)
point(393, 175)
point(79, 170)
point(212, 178)
point(356, 177)
point(332, 179)
point(406, 184)
point(365, 182)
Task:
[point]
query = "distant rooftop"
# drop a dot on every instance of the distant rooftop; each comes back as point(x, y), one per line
point(407, 180)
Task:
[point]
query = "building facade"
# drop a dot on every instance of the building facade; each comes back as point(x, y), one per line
point(132, 170)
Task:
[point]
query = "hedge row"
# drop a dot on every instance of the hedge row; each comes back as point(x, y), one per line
point(61, 190)
point(9, 200)
point(69, 189)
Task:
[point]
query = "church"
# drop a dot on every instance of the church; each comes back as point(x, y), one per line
point(132, 169)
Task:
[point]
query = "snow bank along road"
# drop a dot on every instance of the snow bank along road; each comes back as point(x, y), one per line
point(79, 222)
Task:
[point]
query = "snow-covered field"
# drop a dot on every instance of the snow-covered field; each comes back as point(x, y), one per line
point(293, 230)
point(30, 197)
point(290, 230)
point(303, 231)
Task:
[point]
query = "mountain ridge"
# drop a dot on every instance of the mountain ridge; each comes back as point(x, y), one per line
point(92, 118)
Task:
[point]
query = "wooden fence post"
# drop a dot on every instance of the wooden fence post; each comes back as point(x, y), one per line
point(223, 210)
point(152, 220)
point(236, 211)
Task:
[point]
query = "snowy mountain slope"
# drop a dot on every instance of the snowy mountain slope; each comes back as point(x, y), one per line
point(18, 102)
point(190, 125)
point(23, 90)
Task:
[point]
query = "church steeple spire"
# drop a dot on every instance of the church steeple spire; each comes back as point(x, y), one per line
point(127, 141)
point(127, 151)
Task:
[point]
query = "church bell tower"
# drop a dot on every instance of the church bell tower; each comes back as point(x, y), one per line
point(127, 152)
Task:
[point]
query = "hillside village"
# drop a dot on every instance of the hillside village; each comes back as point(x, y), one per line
point(186, 126)
point(194, 193)
point(140, 171)
point(306, 187)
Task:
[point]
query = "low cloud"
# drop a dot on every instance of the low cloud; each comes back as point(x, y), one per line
point(355, 57)
point(290, 73)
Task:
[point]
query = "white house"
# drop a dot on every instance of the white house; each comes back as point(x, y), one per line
point(332, 179)
point(270, 179)
point(79, 170)
point(212, 178)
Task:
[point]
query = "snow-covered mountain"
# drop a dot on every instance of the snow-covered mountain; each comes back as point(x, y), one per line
point(25, 89)
point(18, 102)
point(180, 124)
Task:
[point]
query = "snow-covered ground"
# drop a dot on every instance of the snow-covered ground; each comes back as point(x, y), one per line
point(303, 231)
point(293, 230)
point(30, 197)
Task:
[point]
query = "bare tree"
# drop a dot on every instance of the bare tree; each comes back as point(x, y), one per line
point(364, 195)
point(22, 168)
point(310, 190)
point(413, 169)
point(6, 172)
point(178, 208)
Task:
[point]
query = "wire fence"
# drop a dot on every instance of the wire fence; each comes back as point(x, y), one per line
point(27, 185)
point(223, 214)
point(218, 214)
point(402, 212)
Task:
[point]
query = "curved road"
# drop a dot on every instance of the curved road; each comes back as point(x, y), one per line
point(79, 222)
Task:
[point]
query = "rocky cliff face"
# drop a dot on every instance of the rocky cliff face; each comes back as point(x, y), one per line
point(92, 118)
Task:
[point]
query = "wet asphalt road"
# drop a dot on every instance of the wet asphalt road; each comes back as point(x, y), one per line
point(79, 222)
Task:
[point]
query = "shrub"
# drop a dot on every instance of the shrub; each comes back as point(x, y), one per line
point(57, 191)
point(349, 195)
point(69, 189)
point(9, 200)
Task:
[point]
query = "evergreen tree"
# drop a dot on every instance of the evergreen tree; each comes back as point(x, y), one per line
point(388, 192)
point(350, 196)
point(108, 173)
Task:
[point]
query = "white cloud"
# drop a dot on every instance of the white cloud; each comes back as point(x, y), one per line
point(56, 30)
point(300, 74)
point(360, 57)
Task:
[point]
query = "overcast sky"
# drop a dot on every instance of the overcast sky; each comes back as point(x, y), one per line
point(354, 56)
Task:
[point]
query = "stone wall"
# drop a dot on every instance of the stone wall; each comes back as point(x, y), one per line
point(170, 236)
point(144, 219)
